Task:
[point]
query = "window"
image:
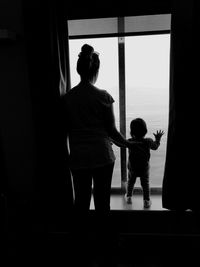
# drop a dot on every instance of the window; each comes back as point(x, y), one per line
point(146, 81)
point(147, 91)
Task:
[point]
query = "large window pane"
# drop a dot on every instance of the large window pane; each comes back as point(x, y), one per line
point(108, 79)
point(147, 91)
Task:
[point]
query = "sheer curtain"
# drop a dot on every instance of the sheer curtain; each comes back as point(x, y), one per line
point(181, 179)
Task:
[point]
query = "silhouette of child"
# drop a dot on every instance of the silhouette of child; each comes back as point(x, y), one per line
point(138, 159)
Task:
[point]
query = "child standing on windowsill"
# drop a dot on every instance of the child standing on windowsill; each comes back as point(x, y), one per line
point(138, 159)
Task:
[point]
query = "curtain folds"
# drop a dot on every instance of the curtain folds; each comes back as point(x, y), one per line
point(61, 48)
point(181, 180)
point(45, 31)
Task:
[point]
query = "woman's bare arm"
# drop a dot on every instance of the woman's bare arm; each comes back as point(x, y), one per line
point(114, 134)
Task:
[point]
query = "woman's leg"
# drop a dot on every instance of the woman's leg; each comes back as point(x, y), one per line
point(82, 182)
point(102, 178)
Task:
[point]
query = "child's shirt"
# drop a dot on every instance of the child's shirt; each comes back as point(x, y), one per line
point(139, 156)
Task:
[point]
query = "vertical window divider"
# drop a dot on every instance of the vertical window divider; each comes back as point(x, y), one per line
point(122, 96)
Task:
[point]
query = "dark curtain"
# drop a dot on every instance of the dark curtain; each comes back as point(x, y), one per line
point(3, 200)
point(45, 32)
point(181, 181)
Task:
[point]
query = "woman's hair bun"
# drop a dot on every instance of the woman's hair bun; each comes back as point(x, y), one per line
point(88, 62)
point(87, 50)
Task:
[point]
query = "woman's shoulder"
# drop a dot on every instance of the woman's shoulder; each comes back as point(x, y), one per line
point(104, 95)
point(98, 90)
point(70, 92)
point(69, 97)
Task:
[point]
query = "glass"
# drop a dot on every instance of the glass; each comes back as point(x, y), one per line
point(147, 92)
point(108, 79)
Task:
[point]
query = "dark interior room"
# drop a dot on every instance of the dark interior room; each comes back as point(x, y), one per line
point(38, 225)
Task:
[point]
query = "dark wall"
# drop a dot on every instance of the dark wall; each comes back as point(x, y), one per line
point(91, 9)
point(29, 104)
point(16, 128)
point(16, 115)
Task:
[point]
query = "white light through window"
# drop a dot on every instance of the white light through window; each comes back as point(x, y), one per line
point(147, 91)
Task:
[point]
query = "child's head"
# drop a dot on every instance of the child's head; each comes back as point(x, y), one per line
point(138, 128)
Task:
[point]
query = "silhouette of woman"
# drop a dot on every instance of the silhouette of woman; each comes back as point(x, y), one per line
point(91, 126)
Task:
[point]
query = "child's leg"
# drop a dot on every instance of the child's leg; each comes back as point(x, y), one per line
point(145, 187)
point(131, 183)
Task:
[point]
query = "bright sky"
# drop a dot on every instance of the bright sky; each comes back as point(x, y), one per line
point(147, 60)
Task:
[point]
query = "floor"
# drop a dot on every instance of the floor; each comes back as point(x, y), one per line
point(118, 202)
point(143, 239)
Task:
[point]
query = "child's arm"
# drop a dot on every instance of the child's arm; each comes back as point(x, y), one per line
point(155, 144)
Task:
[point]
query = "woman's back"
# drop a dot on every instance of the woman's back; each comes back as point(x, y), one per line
point(88, 138)
point(86, 107)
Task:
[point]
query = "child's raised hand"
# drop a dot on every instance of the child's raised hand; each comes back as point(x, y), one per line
point(158, 135)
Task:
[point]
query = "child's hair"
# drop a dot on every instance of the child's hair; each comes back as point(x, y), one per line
point(88, 62)
point(138, 128)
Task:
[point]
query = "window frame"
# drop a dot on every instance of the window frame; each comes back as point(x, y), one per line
point(121, 34)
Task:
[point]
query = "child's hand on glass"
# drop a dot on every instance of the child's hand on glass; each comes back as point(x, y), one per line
point(158, 135)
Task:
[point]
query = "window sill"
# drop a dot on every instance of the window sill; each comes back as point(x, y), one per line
point(137, 190)
point(118, 201)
